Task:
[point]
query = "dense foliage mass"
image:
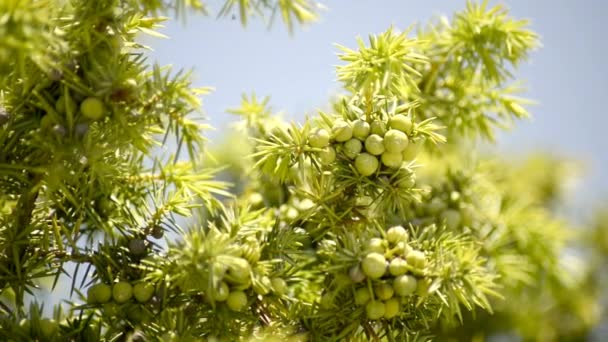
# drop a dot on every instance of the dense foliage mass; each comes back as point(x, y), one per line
point(374, 219)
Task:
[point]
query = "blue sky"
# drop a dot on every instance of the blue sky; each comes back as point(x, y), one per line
point(566, 76)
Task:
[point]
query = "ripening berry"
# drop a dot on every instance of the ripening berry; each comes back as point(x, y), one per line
point(401, 122)
point(391, 308)
point(48, 328)
point(395, 141)
point(374, 265)
point(352, 148)
point(375, 310)
point(366, 164)
point(383, 291)
point(378, 127)
point(220, 292)
point(361, 129)
point(356, 274)
point(342, 131)
point(362, 296)
point(452, 218)
point(137, 247)
point(405, 285)
point(92, 108)
point(392, 160)
point(318, 138)
point(279, 285)
point(157, 232)
point(4, 116)
point(81, 129)
point(236, 300)
point(397, 267)
point(143, 292)
point(416, 259)
point(396, 234)
point(99, 294)
point(122, 292)
point(60, 130)
point(374, 144)
point(412, 150)
point(327, 156)
point(376, 245)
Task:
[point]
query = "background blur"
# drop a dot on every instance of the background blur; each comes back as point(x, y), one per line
point(568, 76)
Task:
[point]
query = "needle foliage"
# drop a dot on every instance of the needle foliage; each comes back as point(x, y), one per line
point(373, 219)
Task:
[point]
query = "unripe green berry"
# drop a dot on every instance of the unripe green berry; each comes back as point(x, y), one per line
point(397, 267)
point(416, 259)
point(405, 285)
point(327, 302)
point(143, 292)
point(378, 127)
point(25, 325)
point(395, 141)
point(396, 234)
point(251, 251)
point(356, 274)
point(407, 180)
point(220, 292)
point(319, 138)
point(412, 150)
point(375, 310)
point(361, 129)
point(392, 160)
point(374, 144)
point(99, 294)
point(391, 308)
point(65, 105)
point(48, 328)
point(341, 281)
point(422, 289)
point(376, 245)
point(362, 296)
point(263, 286)
point(342, 131)
point(401, 122)
point(466, 214)
point(239, 271)
point(122, 292)
point(236, 300)
point(452, 218)
point(383, 291)
point(352, 148)
point(92, 108)
point(436, 206)
point(47, 122)
point(374, 265)
point(327, 156)
point(279, 286)
point(366, 164)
